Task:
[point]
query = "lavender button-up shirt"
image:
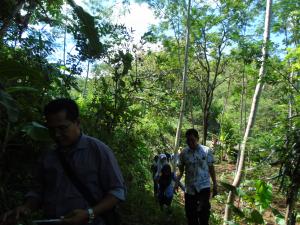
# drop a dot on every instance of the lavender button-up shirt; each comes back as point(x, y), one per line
point(95, 165)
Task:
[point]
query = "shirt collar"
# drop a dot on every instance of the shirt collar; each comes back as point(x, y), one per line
point(80, 144)
point(197, 149)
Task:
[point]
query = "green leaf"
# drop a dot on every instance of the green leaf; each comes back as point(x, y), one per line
point(92, 46)
point(229, 187)
point(21, 89)
point(263, 194)
point(256, 217)
point(37, 132)
point(240, 192)
point(10, 105)
point(279, 218)
point(237, 211)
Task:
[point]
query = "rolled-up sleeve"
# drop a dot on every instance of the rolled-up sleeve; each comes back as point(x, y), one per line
point(119, 193)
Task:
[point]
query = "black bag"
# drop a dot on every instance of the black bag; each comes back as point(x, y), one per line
point(111, 217)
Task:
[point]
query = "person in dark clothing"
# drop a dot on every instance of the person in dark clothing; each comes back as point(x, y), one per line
point(166, 186)
point(168, 155)
point(90, 159)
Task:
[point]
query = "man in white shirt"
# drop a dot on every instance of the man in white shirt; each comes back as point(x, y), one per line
point(197, 162)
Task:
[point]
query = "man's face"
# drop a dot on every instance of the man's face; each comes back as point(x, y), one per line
point(192, 141)
point(63, 131)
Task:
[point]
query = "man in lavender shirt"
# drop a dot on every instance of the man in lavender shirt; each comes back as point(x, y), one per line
point(91, 160)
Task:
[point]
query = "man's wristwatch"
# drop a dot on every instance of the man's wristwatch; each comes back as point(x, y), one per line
point(91, 215)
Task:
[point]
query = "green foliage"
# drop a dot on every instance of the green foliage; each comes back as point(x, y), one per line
point(10, 106)
point(133, 99)
point(37, 132)
point(279, 218)
point(263, 196)
point(256, 217)
point(86, 33)
point(229, 187)
point(257, 197)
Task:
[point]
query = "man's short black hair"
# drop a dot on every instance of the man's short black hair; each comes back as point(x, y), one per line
point(193, 132)
point(63, 104)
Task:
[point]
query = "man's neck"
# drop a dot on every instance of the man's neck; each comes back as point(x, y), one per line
point(67, 149)
point(194, 149)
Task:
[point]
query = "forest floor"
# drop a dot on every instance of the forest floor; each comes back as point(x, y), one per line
point(144, 209)
point(225, 173)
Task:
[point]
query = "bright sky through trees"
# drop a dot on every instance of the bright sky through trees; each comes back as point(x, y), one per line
point(137, 16)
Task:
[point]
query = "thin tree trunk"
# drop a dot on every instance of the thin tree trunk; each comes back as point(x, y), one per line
point(242, 129)
point(290, 216)
point(205, 126)
point(290, 110)
point(184, 79)
point(226, 97)
point(86, 80)
point(243, 108)
point(64, 54)
point(254, 106)
point(224, 110)
point(192, 114)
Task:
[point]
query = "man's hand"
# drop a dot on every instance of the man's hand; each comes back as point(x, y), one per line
point(215, 190)
point(76, 217)
point(11, 217)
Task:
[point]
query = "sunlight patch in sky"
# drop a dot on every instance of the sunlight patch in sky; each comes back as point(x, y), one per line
point(137, 17)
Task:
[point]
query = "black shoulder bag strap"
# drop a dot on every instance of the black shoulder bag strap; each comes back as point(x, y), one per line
point(110, 217)
point(84, 191)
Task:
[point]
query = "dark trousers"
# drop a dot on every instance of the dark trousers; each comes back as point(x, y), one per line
point(197, 207)
point(155, 186)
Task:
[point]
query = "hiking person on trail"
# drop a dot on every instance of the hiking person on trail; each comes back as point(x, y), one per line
point(168, 155)
point(77, 158)
point(197, 162)
point(154, 168)
point(161, 162)
point(166, 186)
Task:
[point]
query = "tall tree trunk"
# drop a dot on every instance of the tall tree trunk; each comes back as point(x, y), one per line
point(224, 109)
point(243, 104)
point(192, 113)
point(290, 216)
point(84, 93)
point(65, 44)
point(254, 106)
point(242, 108)
point(205, 125)
point(184, 79)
